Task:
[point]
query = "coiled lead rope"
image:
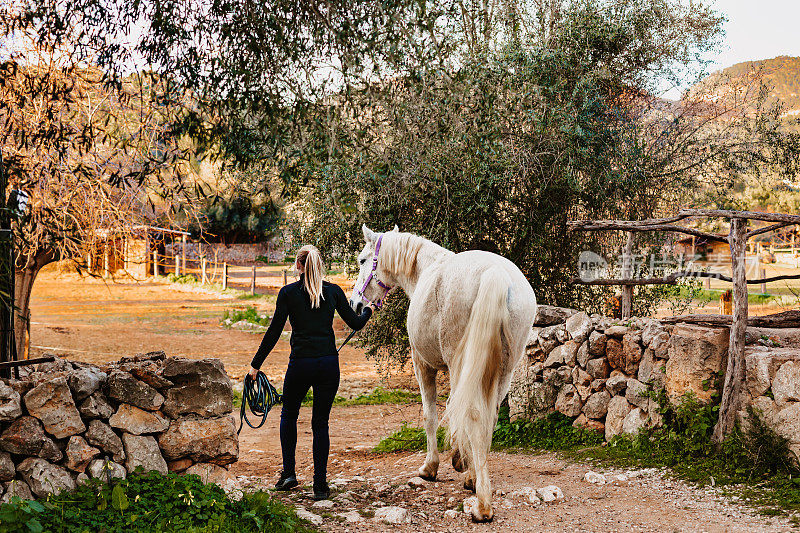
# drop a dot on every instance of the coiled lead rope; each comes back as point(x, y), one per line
point(260, 396)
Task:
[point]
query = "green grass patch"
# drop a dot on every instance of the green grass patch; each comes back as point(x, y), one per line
point(248, 314)
point(150, 503)
point(709, 295)
point(409, 438)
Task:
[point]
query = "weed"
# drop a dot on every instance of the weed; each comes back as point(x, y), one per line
point(150, 502)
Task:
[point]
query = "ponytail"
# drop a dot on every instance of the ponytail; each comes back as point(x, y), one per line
point(311, 260)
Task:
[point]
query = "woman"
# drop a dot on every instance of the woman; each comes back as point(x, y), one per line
point(314, 362)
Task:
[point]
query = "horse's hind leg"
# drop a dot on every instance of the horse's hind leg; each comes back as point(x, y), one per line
point(483, 486)
point(426, 376)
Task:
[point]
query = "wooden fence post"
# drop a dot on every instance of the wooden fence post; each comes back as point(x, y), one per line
point(284, 276)
point(762, 273)
point(735, 374)
point(224, 276)
point(155, 262)
point(627, 273)
point(204, 269)
point(253, 281)
point(183, 254)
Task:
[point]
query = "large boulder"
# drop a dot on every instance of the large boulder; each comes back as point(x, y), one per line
point(637, 394)
point(204, 440)
point(137, 421)
point(79, 453)
point(548, 315)
point(787, 423)
point(201, 387)
point(568, 401)
point(786, 384)
point(18, 488)
point(598, 368)
point(660, 345)
point(25, 436)
point(44, 478)
point(617, 383)
point(696, 355)
point(597, 344)
point(125, 388)
point(7, 469)
point(106, 470)
point(757, 375)
point(52, 403)
point(143, 451)
point(10, 405)
point(96, 406)
point(101, 435)
point(85, 380)
point(625, 354)
point(578, 326)
point(582, 356)
point(618, 409)
point(634, 421)
point(597, 405)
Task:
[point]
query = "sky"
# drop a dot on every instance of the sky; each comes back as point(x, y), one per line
point(758, 29)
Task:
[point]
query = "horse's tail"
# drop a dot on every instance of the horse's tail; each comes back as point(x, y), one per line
point(471, 407)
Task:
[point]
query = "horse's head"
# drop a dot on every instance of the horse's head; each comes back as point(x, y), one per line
point(368, 287)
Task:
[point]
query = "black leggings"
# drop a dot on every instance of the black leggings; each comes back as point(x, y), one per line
point(322, 375)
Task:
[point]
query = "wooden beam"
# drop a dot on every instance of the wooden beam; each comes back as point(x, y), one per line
point(26, 362)
point(785, 319)
point(748, 215)
point(767, 229)
point(605, 225)
point(672, 279)
point(645, 222)
point(734, 375)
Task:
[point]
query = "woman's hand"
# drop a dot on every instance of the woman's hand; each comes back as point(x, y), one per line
point(253, 372)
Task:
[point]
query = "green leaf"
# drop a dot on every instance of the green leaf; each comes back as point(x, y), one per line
point(118, 498)
point(34, 526)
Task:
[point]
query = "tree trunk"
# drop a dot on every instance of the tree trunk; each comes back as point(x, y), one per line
point(735, 373)
point(23, 286)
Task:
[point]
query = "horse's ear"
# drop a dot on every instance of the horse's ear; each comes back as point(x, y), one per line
point(396, 229)
point(369, 235)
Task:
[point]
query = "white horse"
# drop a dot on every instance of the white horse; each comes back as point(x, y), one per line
point(470, 313)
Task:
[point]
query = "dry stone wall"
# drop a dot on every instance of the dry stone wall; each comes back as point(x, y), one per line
point(66, 422)
point(600, 371)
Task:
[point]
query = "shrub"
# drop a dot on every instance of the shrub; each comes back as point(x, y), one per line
point(149, 502)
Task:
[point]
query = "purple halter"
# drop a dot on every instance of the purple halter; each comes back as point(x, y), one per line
point(379, 302)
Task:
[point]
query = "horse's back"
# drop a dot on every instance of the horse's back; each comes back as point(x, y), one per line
point(441, 307)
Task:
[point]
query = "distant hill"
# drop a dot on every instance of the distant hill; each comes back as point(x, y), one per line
point(781, 74)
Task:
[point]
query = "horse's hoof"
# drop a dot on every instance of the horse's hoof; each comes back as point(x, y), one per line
point(426, 474)
point(458, 464)
point(481, 518)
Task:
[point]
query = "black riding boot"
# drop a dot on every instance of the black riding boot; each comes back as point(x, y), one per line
point(286, 481)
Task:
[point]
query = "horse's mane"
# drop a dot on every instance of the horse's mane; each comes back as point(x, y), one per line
point(400, 252)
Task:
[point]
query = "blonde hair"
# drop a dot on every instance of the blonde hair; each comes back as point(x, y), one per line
point(311, 261)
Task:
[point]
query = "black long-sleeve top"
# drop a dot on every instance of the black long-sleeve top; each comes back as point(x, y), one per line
point(312, 329)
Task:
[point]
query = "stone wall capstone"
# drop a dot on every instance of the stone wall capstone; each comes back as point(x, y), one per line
point(67, 421)
point(600, 371)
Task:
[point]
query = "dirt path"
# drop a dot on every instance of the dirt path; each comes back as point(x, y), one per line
point(648, 501)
